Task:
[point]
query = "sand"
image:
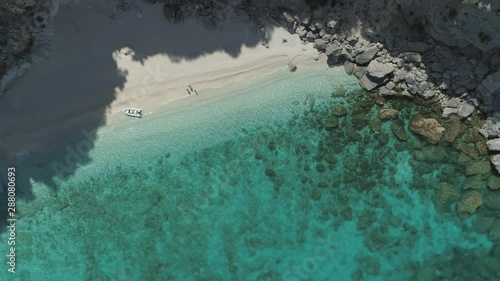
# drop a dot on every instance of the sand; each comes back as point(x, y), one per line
point(91, 77)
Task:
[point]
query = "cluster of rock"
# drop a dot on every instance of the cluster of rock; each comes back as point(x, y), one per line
point(397, 56)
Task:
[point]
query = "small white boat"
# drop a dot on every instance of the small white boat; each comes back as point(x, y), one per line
point(133, 112)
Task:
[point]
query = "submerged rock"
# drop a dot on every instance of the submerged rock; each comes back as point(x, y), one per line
point(388, 114)
point(446, 195)
point(428, 128)
point(474, 182)
point(478, 168)
point(270, 172)
point(494, 234)
point(431, 154)
point(483, 224)
point(339, 111)
point(398, 129)
point(332, 123)
point(493, 182)
point(453, 131)
point(469, 203)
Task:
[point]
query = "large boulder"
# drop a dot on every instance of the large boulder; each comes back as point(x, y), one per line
point(494, 144)
point(336, 54)
point(398, 129)
point(367, 55)
point(376, 74)
point(388, 114)
point(473, 182)
point(446, 194)
point(492, 201)
point(495, 160)
point(465, 110)
point(478, 168)
point(379, 70)
point(385, 92)
point(428, 128)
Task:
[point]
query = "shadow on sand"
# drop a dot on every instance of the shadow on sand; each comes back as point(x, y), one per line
point(80, 82)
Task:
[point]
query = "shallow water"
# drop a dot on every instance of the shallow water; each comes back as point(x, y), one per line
point(250, 186)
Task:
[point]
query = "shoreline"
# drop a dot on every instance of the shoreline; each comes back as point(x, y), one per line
point(146, 81)
point(383, 65)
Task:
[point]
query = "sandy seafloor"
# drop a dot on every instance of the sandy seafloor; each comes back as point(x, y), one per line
point(246, 185)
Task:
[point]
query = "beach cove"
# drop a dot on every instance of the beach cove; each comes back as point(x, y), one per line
point(279, 168)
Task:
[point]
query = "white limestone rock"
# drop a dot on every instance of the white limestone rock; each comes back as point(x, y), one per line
point(367, 55)
point(465, 110)
point(448, 111)
point(494, 144)
point(379, 70)
point(495, 160)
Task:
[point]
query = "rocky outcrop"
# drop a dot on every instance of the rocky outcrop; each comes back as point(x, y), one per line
point(469, 202)
point(388, 114)
point(495, 160)
point(478, 168)
point(376, 75)
point(494, 144)
point(398, 129)
point(493, 182)
point(428, 128)
point(446, 195)
point(378, 70)
point(367, 55)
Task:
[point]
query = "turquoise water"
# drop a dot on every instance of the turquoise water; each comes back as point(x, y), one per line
point(250, 186)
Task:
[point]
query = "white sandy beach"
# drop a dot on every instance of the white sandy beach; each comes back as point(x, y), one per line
point(90, 80)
